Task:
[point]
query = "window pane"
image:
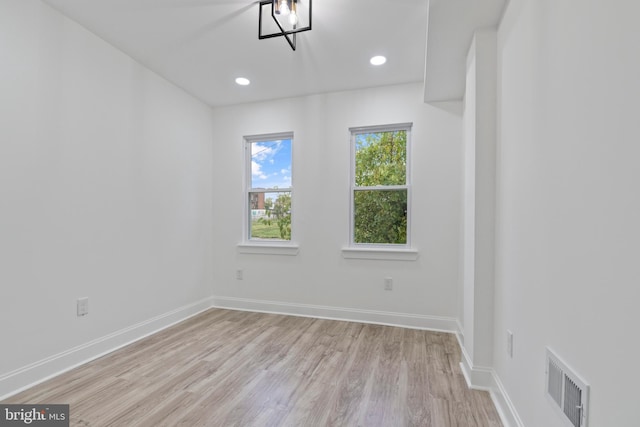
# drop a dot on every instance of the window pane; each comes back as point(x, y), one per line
point(271, 164)
point(381, 158)
point(380, 216)
point(270, 215)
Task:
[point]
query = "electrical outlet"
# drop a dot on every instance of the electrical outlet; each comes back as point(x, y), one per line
point(388, 284)
point(510, 344)
point(239, 274)
point(82, 306)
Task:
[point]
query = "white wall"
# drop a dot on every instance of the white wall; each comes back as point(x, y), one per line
point(479, 201)
point(105, 188)
point(567, 272)
point(319, 275)
point(468, 207)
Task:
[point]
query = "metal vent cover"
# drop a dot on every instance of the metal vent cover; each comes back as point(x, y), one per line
point(554, 381)
point(567, 391)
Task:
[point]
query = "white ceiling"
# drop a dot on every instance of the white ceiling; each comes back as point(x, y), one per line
point(203, 45)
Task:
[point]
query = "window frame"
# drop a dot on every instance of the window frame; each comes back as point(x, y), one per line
point(266, 246)
point(386, 250)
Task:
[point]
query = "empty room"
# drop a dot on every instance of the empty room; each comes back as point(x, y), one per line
point(319, 213)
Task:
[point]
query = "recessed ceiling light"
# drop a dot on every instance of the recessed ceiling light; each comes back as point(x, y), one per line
point(242, 81)
point(378, 60)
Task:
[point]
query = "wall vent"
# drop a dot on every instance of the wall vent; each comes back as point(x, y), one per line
point(567, 391)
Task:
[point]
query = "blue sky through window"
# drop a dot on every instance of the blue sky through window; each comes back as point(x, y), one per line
point(271, 164)
point(362, 139)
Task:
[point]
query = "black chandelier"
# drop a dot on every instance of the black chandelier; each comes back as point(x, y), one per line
point(289, 17)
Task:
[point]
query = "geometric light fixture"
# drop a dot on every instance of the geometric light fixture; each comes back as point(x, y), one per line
point(288, 18)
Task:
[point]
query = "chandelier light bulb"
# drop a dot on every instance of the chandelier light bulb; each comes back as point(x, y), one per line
point(287, 19)
point(284, 8)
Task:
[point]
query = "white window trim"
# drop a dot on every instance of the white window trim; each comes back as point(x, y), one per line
point(268, 249)
point(265, 247)
point(381, 251)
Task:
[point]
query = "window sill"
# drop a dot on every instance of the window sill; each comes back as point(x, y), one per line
point(380, 254)
point(268, 249)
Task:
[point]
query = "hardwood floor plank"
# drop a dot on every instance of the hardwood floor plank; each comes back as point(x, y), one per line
point(386, 381)
point(350, 400)
point(417, 412)
point(233, 368)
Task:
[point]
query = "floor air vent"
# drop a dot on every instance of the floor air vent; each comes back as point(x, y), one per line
point(567, 391)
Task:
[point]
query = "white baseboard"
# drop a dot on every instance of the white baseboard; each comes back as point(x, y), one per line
point(483, 378)
point(415, 321)
point(504, 405)
point(477, 377)
point(27, 376)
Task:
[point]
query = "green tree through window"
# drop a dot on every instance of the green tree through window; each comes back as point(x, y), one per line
point(278, 214)
point(380, 187)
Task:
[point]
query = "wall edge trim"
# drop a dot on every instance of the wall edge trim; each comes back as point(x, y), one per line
point(405, 320)
point(486, 379)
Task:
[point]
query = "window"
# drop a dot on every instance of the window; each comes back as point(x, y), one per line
point(268, 189)
point(380, 191)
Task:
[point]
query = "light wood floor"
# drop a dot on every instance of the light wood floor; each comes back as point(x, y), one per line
point(232, 368)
